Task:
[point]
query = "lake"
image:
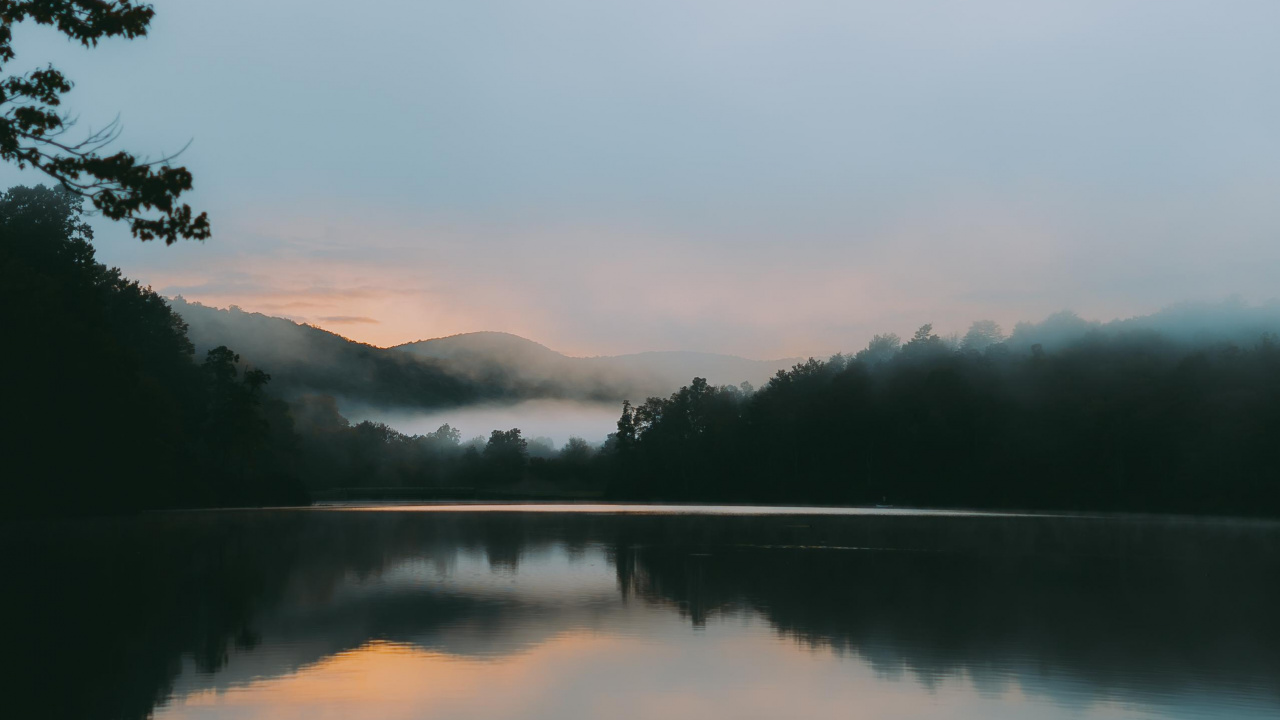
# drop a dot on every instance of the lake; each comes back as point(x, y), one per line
point(619, 612)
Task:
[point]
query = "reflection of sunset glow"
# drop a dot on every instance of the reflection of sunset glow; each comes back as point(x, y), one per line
point(654, 509)
point(576, 616)
point(721, 672)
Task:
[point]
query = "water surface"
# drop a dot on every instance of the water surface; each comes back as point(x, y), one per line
point(564, 612)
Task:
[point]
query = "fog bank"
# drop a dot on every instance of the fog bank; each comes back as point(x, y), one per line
point(555, 419)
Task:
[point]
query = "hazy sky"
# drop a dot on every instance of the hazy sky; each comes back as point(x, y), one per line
point(761, 178)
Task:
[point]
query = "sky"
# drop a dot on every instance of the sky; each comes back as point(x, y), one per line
point(767, 179)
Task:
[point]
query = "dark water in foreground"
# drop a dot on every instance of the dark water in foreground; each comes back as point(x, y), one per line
point(475, 614)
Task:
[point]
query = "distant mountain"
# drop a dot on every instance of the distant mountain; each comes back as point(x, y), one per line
point(450, 371)
point(491, 354)
point(501, 367)
point(304, 359)
point(473, 351)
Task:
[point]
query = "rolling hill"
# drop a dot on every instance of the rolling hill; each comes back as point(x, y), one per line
point(491, 355)
point(450, 371)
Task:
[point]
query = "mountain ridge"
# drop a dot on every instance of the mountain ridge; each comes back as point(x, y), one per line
point(495, 366)
point(460, 369)
point(654, 372)
point(521, 338)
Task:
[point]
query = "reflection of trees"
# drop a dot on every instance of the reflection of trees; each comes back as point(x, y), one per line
point(113, 606)
point(1183, 605)
point(110, 609)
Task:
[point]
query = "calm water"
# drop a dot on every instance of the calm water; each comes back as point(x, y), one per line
point(703, 613)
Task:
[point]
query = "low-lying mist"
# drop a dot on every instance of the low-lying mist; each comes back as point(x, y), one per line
point(556, 420)
point(465, 390)
point(479, 368)
point(1176, 329)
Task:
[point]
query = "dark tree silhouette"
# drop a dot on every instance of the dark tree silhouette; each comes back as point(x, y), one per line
point(110, 412)
point(881, 348)
point(982, 335)
point(506, 455)
point(33, 128)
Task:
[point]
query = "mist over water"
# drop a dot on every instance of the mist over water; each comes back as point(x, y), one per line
point(555, 419)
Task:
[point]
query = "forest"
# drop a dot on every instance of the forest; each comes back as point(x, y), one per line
point(107, 407)
point(1132, 421)
point(111, 410)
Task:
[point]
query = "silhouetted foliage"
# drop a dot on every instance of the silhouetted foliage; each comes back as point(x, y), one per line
point(109, 410)
point(1090, 417)
point(33, 128)
point(506, 455)
point(1063, 414)
point(371, 459)
point(982, 335)
point(1128, 421)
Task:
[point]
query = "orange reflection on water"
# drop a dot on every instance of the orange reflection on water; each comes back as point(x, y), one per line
point(463, 506)
point(392, 680)
point(584, 675)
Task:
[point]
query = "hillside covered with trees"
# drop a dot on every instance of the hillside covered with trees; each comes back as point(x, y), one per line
point(1111, 418)
point(107, 406)
point(456, 370)
point(113, 410)
point(1120, 421)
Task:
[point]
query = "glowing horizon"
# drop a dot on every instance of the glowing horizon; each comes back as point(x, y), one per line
point(753, 178)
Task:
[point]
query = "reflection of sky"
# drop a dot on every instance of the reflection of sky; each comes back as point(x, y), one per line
point(565, 644)
point(455, 600)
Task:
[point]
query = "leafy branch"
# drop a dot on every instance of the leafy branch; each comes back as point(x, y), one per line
point(122, 186)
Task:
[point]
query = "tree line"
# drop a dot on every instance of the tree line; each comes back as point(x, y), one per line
point(1124, 421)
point(107, 407)
point(110, 409)
point(1108, 420)
point(371, 455)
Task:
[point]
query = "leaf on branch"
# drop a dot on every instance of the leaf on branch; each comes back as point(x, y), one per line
point(121, 186)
